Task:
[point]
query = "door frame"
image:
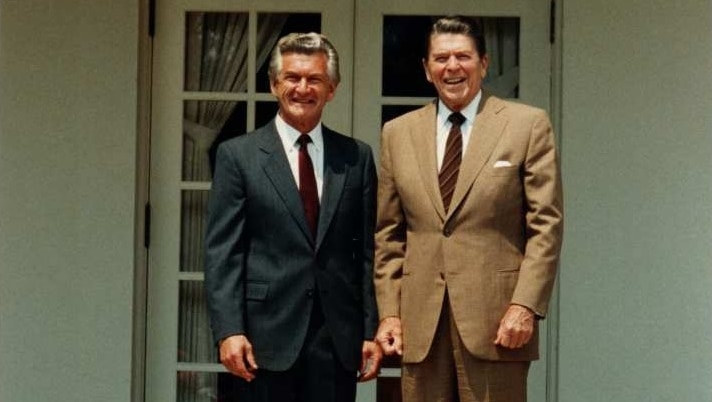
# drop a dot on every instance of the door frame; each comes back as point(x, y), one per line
point(142, 200)
point(142, 206)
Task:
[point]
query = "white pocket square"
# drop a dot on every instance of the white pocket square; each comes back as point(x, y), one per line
point(501, 164)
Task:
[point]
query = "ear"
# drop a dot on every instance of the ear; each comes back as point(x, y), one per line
point(427, 72)
point(273, 87)
point(485, 64)
point(332, 92)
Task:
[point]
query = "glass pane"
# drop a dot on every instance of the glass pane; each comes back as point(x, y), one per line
point(393, 361)
point(206, 387)
point(271, 27)
point(388, 389)
point(390, 112)
point(264, 112)
point(404, 41)
point(195, 344)
point(502, 39)
point(216, 52)
point(205, 125)
point(196, 387)
point(403, 49)
point(194, 205)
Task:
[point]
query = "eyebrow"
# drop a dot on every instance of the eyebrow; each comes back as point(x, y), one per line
point(448, 52)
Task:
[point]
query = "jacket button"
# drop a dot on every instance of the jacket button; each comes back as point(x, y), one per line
point(310, 293)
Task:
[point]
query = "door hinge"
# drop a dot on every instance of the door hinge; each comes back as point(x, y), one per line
point(552, 22)
point(151, 18)
point(147, 225)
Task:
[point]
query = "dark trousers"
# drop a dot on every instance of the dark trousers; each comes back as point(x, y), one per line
point(317, 375)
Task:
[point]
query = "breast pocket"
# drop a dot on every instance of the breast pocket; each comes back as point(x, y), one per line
point(503, 171)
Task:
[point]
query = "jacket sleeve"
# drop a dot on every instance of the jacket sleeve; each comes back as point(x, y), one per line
point(544, 219)
point(225, 248)
point(369, 219)
point(390, 235)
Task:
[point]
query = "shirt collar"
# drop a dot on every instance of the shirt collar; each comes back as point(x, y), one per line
point(469, 111)
point(289, 134)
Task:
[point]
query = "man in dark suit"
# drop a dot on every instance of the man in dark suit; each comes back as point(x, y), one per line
point(469, 228)
point(289, 243)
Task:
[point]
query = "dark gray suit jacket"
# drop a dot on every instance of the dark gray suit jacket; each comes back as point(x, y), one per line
point(263, 267)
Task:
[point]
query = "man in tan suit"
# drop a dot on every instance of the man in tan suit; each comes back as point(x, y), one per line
point(468, 233)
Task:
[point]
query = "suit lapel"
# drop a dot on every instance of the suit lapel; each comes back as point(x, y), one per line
point(335, 173)
point(279, 173)
point(423, 137)
point(485, 134)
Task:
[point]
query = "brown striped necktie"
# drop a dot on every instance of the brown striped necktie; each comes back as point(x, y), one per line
point(451, 160)
point(307, 184)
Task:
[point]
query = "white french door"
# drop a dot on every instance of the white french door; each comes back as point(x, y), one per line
point(210, 83)
point(389, 80)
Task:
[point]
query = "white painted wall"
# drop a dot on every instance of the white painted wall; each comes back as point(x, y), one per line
point(636, 278)
point(67, 167)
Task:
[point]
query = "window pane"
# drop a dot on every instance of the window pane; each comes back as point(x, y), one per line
point(404, 46)
point(216, 52)
point(271, 27)
point(390, 112)
point(393, 361)
point(194, 205)
point(264, 112)
point(206, 387)
point(195, 344)
point(205, 124)
point(403, 49)
point(388, 389)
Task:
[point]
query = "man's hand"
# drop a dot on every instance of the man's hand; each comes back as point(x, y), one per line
point(236, 355)
point(371, 356)
point(390, 336)
point(516, 327)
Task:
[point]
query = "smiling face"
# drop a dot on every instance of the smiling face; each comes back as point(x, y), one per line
point(303, 88)
point(455, 69)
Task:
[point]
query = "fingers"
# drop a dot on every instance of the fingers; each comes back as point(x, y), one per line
point(237, 357)
point(371, 356)
point(390, 336)
point(397, 343)
point(387, 342)
point(516, 327)
point(251, 360)
point(511, 339)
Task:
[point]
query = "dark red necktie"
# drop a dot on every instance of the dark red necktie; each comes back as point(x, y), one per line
point(451, 160)
point(307, 184)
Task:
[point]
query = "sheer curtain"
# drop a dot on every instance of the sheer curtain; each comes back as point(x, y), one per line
point(502, 39)
point(215, 61)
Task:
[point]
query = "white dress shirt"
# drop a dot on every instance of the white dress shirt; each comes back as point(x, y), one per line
point(443, 126)
point(289, 136)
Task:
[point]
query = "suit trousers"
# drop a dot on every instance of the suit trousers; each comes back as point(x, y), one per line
point(450, 373)
point(316, 376)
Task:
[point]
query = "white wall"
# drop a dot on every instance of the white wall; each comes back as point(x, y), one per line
point(636, 278)
point(67, 166)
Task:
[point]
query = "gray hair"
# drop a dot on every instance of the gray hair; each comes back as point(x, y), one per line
point(305, 43)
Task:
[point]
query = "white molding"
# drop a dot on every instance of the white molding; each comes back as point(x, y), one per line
point(552, 322)
point(143, 125)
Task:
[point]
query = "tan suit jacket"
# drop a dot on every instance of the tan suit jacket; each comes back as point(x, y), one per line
point(498, 244)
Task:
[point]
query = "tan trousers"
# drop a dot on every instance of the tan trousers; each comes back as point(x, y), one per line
point(450, 374)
